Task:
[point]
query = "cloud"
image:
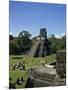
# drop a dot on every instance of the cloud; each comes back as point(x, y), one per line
point(14, 34)
point(59, 35)
point(10, 33)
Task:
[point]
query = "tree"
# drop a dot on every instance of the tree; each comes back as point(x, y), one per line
point(57, 43)
point(11, 37)
point(24, 40)
point(24, 35)
point(20, 44)
point(64, 41)
point(13, 48)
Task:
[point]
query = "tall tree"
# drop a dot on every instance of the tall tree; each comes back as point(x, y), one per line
point(24, 40)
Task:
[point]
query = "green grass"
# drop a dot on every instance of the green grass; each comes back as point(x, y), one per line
point(30, 62)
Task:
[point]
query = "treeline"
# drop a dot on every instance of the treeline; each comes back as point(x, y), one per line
point(57, 43)
point(23, 43)
point(20, 44)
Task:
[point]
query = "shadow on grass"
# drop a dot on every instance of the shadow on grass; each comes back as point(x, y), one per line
point(16, 57)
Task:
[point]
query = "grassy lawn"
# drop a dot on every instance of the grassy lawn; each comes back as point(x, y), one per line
point(30, 62)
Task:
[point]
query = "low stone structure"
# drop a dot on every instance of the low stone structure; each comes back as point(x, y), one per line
point(43, 76)
point(53, 74)
point(19, 66)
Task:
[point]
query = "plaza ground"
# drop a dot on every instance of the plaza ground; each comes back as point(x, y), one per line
point(30, 62)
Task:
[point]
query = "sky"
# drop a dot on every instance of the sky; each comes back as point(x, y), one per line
point(32, 17)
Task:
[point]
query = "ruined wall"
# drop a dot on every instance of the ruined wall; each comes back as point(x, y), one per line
point(61, 63)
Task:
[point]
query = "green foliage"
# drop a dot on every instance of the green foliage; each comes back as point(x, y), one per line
point(23, 43)
point(30, 62)
point(11, 37)
point(24, 40)
point(13, 46)
point(24, 35)
point(20, 44)
point(57, 44)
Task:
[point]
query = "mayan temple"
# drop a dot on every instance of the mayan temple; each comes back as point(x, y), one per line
point(41, 45)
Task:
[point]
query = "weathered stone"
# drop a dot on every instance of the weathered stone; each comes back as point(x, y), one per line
point(29, 83)
point(61, 62)
point(61, 56)
point(53, 74)
point(43, 33)
point(41, 45)
point(14, 67)
point(43, 76)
